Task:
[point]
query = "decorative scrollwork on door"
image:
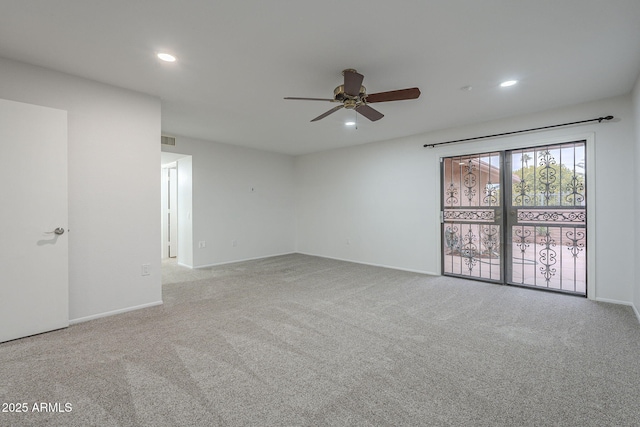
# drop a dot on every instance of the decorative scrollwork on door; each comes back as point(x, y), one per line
point(577, 240)
point(452, 193)
point(575, 190)
point(558, 216)
point(470, 215)
point(522, 190)
point(451, 238)
point(470, 181)
point(522, 235)
point(547, 176)
point(491, 195)
point(547, 257)
point(491, 240)
point(469, 250)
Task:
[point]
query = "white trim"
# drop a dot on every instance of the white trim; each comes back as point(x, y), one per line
point(113, 313)
point(636, 311)
point(438, 213)
point(410, 270)
point(591, 215)
point(514, 143)
point(242, 260)
point(614, 301)
point(627, 303)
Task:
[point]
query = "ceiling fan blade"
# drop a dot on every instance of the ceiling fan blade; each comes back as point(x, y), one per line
point(393, 95)
point(369, 112)
point(310, 99)
point(352, 82)
point(323, 115)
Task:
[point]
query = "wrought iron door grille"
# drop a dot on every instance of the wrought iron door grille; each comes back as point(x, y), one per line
point(547, 217)
point(471, 216)
point(537, 238)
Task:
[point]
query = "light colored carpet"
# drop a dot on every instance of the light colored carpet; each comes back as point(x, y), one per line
point(297, 340)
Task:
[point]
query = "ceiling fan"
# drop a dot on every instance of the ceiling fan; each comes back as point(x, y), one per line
point(353, 96)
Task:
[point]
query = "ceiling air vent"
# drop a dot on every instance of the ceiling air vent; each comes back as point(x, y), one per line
point(167, 140)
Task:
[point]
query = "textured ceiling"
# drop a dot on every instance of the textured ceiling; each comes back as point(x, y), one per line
point(238, 59)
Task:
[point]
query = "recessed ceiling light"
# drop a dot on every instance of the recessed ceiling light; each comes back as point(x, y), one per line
point(350, 123)
point(166, 57)
point(508, 83)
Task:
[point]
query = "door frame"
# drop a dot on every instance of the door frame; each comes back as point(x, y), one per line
point(513, 221)
point(521, 142)
point(169, 199)
point(498, 218)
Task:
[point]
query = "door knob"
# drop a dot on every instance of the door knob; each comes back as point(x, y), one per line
point(57, 231)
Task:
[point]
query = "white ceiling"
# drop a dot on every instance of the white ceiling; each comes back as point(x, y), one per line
point(237, 59)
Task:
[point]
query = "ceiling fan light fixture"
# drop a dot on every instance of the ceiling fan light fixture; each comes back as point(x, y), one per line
point(350, 104)
point(508, 83)
point(166, 57)
point(350, 123)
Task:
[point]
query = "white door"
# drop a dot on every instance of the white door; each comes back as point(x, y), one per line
point(173, 212)
point(34, 277)
point(169, 198)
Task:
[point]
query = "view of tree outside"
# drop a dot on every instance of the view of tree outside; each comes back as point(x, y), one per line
point(549, 177)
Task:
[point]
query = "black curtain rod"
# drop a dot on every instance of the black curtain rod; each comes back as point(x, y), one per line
point(599, 120)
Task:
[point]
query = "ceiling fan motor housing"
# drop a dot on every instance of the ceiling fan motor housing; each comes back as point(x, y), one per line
point(348, 100)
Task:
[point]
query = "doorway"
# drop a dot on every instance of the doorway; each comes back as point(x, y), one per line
point(176, 208)
point(169, 199)
point(517, 217)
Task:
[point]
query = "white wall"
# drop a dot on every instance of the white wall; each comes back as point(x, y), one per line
point(378, 203)
point(114, 159)
point(369, 203)
point(226, 210)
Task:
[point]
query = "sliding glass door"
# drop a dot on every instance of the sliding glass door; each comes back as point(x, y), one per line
point(517, 217)
point(547, 217)
point(472, 216)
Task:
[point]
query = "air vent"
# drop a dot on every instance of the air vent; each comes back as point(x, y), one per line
point(167, 140)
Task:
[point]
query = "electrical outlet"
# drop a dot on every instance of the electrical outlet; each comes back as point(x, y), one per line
point(202, 244)
point(145, 270)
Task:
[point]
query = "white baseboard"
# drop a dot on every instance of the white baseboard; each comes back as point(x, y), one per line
point(614, 301)
point(430, 273)
point(113, 313)
point(243, 260)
